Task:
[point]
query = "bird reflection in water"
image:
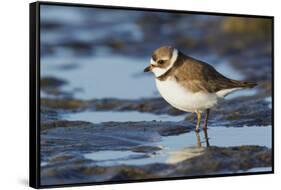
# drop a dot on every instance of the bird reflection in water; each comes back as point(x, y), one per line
point(199, 143)
point(190, 151)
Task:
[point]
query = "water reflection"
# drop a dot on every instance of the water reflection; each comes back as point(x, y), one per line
point(199, 143)
point(184, 154)
point(178, 148)
point(101, 54)
point(124, 116)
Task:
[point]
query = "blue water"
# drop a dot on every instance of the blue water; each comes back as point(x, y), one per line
point(105, 116)
point(177, 148)
point(101, 73)
point(115, 76)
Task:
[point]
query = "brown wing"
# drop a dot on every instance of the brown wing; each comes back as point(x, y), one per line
point(200, 76)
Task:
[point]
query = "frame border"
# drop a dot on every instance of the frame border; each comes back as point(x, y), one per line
point(34, 95)
point(34, 92)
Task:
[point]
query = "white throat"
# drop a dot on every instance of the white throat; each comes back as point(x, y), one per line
point(160, 71)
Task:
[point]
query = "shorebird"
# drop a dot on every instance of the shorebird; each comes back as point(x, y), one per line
point(189, 84)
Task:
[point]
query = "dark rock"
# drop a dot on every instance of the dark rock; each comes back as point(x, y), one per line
point(51, 82)
point(63, 124)
point(214, 160)
point(77, 47)
point(50, 25)
point(65, 104)
point(47, 114)
point(146, 149)
point(68, 66)
point(228, 113)
point(232, 159)
point(87, 137)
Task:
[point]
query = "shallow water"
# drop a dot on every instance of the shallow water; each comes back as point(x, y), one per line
point(103, 77)
point(101, 73)
point(115, 76)
point(269, 101)
point(185, 146)
point(173, 148)
point(259, 169)
point(251, 170)
point(105, 116)
point(42, 164)
point(104, 57)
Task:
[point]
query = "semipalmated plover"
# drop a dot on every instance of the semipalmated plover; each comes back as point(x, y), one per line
point(189, 84)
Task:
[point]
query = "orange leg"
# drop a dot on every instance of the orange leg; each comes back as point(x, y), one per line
point(198, 121)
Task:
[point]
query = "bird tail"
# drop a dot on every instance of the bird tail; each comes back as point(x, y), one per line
point(244, 84)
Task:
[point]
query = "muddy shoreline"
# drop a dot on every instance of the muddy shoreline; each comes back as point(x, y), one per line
point(65, 156)
point(95, 129)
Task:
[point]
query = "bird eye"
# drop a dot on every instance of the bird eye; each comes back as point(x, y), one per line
point(161, 62)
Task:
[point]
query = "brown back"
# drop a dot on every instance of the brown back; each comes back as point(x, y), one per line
point(199, 76)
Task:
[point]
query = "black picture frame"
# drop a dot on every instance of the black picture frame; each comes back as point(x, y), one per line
point(34, 92)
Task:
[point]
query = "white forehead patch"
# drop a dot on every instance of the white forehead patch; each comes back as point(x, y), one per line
point(160, 71)
point(152, 62)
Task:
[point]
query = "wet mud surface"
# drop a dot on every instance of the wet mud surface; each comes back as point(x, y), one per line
point(88, 150)
point(73, 151)
point(102, 118)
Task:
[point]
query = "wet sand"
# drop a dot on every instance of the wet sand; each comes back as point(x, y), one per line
point(96, 128)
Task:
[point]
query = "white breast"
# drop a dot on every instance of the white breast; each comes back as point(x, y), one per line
point(183, 99)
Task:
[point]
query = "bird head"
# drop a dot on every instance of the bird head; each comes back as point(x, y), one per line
point(162, 60)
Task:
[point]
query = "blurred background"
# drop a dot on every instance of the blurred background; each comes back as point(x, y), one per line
point(102, 117)
point(100, 53)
